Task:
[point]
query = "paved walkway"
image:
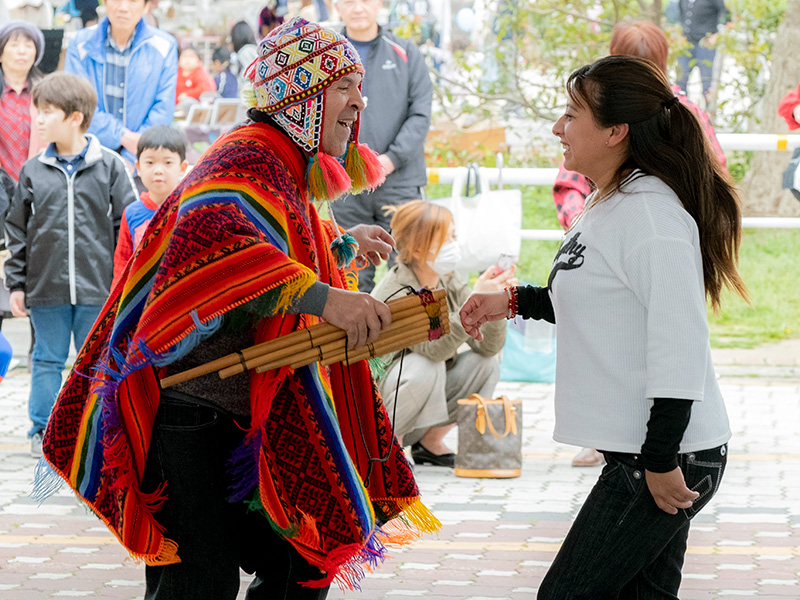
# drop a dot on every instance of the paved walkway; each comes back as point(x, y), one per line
point(499, 536)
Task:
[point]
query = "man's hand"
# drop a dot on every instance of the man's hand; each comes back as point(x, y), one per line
point(359, 314)
point(669, 490)
point(17, 303)
point(130, 141)
point(374, 242)
point(482, 307)
point(388, 165)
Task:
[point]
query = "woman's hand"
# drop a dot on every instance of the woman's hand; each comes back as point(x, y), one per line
point(481, 307)
point(495, 280)
point(374, 242)
point(359, 314)
point(669, 490)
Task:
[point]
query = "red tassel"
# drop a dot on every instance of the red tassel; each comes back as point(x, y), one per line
point(375, 172)
point(327, 179)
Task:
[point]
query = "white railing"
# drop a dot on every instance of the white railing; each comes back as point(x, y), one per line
point(758, 141)
point(547, 176)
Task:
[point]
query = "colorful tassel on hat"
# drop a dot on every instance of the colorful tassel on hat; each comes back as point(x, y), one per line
point(362, 165)
point(327, 178)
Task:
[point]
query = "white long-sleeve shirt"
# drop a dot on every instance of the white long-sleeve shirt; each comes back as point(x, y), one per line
point(628, 294)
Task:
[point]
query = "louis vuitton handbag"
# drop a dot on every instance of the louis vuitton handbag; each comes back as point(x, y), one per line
point(489, 437)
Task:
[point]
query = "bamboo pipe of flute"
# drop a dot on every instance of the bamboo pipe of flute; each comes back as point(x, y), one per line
point(383, 346)
point(315, 335)
point(377, 349)
point(338, 352)
point(272, 360)
point(306, 347)
point(337, 347)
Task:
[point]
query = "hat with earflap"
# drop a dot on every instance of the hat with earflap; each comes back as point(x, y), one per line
point(296, 63)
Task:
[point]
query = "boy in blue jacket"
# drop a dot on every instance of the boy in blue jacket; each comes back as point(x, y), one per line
point(61, 230)
point(134, 70)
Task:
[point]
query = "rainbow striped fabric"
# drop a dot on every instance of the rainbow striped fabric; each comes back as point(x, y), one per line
point(239, 227)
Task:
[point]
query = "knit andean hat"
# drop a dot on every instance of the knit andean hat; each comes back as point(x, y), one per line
point(296, 63)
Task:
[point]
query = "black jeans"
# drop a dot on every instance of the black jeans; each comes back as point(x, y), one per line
point(622, 546)
point(190, 448)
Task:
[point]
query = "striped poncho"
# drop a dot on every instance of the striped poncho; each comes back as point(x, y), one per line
point(239, 227)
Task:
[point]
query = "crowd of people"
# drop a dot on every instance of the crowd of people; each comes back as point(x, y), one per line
point(152, 268)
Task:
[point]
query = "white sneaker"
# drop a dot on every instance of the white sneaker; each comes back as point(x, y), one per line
point(36, 445)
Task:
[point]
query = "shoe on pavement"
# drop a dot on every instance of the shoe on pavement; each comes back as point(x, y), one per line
point(588, 457)
point(36, 444)
point(422, 455)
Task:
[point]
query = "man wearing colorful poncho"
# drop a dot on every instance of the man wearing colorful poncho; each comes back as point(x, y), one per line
point(293, 475)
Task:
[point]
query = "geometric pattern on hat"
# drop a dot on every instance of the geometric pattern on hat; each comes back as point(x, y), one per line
point(296, 63)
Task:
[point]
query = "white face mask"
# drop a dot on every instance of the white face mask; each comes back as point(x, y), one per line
point(447, 260)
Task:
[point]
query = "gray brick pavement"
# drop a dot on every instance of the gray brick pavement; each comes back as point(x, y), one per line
point(498, 537)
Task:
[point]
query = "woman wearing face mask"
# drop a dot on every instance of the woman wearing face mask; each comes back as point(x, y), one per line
point(434, 375)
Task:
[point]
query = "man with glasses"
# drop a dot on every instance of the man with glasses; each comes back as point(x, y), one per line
point(134, 70)
point(398, 91)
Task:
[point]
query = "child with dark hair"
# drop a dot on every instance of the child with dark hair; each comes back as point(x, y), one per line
point(61, 228)
point(227, 84)
point(161, 163)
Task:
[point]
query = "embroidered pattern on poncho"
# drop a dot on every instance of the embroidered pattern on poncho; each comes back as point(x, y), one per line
point(238, 228)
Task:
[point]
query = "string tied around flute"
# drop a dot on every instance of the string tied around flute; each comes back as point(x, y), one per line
point(435, 331)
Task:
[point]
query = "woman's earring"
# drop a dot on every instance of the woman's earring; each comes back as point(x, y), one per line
point(606, 142)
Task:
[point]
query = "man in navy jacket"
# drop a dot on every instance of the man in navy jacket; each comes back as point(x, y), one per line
point(134, 70)
point(398, 91)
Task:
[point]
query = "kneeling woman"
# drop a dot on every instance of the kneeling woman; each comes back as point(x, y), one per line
point(421, 393)
point(628, 287)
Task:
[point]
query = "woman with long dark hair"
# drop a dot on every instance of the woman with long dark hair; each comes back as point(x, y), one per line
point(628, 288)
point(21, 49)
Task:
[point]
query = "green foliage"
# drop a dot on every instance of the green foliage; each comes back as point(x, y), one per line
point(523, 64)
point(520, 67)
point(738, 162)
point(748, 40)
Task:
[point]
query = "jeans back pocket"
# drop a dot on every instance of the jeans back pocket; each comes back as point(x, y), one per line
point(703, 473)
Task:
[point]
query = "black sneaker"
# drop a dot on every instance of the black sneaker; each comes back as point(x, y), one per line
point(36, 444)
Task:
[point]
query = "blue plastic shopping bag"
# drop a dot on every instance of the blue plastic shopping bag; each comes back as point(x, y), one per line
point(529, 353)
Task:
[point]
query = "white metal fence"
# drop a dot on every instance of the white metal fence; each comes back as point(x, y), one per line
point(547, 176)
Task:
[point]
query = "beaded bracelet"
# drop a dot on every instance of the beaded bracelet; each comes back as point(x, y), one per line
point(513, 302)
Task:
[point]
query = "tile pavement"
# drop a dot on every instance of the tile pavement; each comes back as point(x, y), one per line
point(498, 537)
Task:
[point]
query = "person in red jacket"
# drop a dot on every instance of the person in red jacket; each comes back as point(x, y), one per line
point(193, 79)
point(789, 108)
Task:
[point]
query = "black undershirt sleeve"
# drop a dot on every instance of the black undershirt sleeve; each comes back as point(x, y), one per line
point(669, 418)
point(534, 303)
